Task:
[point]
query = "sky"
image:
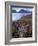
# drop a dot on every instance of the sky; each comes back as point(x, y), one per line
point(17, 16)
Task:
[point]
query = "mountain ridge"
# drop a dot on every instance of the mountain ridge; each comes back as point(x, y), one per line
point(21, 11)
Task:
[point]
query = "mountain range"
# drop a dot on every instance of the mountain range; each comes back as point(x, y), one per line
point(21, 11)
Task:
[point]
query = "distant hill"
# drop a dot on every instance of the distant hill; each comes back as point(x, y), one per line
point(21, 11)
point(14, 11)
point(24, 11)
